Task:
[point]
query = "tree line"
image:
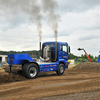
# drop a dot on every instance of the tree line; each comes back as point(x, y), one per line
point(34, 52)
point(83, 57)
point(35, 55)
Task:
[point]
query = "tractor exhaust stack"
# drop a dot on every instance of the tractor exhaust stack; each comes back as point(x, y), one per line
point(55, 50)
point(40, 46)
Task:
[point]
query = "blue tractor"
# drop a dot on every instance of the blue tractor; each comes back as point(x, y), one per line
point(98, 58)
point(53, 57)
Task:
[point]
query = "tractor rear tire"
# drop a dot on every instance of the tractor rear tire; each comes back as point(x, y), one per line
point(30, 70)
point(61, 69)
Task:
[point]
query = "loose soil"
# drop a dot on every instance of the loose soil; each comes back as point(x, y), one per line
point(1, 69)
point(78, 83)
point(6, 77)
point(87, 66)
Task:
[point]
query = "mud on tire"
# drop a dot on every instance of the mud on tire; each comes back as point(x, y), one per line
point(30, 70)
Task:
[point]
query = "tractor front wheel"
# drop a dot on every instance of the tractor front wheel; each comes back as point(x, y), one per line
point(61, 69)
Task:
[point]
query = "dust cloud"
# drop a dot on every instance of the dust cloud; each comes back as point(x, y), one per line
point(6, 77)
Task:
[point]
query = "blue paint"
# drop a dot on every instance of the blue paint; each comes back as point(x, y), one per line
point(62, 57)
point(18, 58)
point(48, 67)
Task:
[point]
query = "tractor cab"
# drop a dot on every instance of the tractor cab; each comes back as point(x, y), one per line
point(53, 51)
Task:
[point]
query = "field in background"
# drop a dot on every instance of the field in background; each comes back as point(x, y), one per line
point(71, 65)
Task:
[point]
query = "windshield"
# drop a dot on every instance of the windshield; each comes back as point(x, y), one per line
point(49, 45)
point(63, 48)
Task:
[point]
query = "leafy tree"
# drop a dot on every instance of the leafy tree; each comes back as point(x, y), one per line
point(72, 56)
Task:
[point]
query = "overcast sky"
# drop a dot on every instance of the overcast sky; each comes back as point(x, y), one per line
point(79, 26)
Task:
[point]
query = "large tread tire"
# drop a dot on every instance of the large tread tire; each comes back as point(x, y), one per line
point(61, 69)
point(30, 70)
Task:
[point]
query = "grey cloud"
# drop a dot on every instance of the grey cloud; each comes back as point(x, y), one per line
point(77, 5)
point(96, 27)
point(14, 41)
point(13, 8)
point(60, 33)
point(89, 37)
point(13, 23)
point(33, 8)
point(28, 46)
point(64, 33)
point(48, 35)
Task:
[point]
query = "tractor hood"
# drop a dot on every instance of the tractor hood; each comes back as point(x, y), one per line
point(18, 58)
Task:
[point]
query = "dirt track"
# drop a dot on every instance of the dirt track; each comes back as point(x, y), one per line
point(73, 85)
